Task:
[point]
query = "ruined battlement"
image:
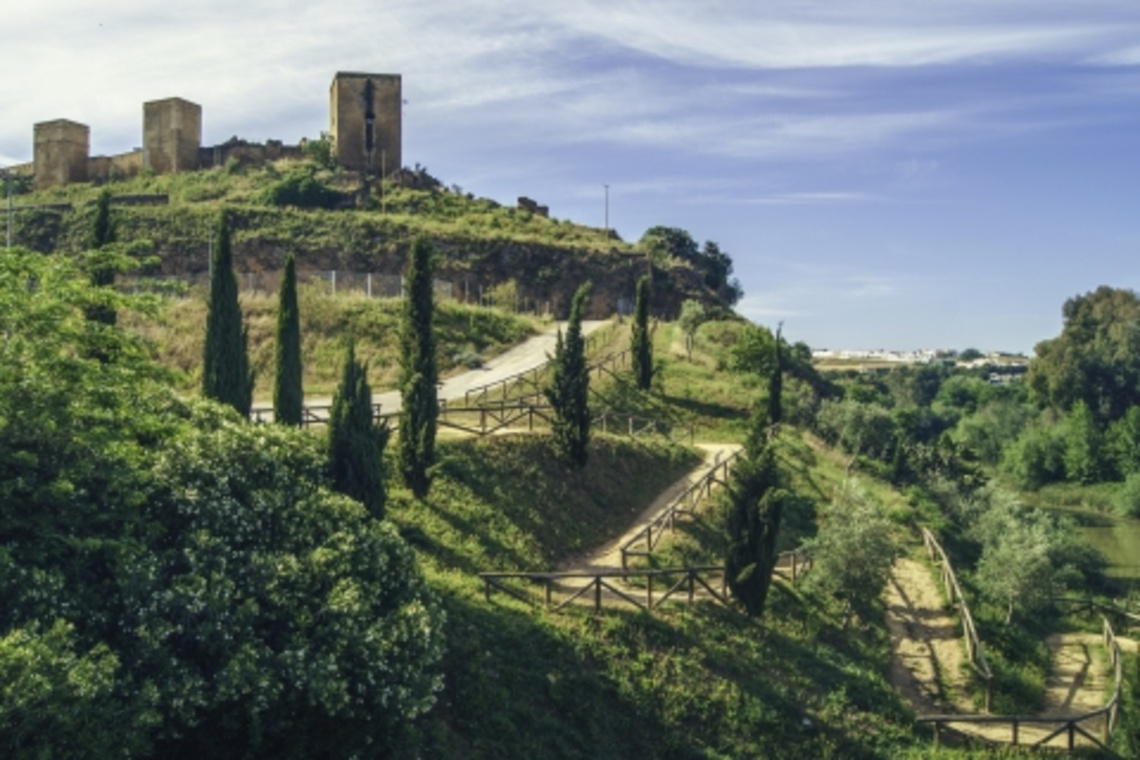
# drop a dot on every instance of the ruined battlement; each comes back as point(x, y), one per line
point(365, 120)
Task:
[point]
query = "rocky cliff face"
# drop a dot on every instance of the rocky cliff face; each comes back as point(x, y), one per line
point(176, 241)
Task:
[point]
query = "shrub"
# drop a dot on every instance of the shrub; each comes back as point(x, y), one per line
point(1128, 497)
point(301, 188)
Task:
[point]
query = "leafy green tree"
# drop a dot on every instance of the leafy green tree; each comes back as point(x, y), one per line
point(692, 315)
point(178, 583)
point(568, 392)
point(288, 395)
point(418, 372)
point(356, 443)
point(1095, 359)
point(1084, 460)
point(641, 345)
point(226, 374)
point(853, 551)
point(1123, 442)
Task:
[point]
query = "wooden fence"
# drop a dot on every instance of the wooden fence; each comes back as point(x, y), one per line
point(528, 384)
point(1067, 726)
point(562, 589)
point(685, 503)
point(969, 630)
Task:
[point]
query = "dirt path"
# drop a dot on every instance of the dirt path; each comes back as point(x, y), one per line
point(929, 666)
point(928, 659)
point(608, 555)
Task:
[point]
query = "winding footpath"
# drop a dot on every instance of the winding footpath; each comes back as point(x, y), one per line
point(929, 666)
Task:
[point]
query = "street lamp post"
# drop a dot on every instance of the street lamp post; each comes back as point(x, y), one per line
point(607, 187)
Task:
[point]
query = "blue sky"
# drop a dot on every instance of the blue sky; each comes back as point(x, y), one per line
point(884, 174)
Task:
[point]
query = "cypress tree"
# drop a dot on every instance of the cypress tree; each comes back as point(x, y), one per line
point(226, 374)
point(640, 345)
point(102, 274)
point(356, 443)
point(288, 397)
point(756, 502)
point(418, 372)
point(569, 388)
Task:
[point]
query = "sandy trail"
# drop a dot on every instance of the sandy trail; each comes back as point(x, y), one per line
point(929, 666)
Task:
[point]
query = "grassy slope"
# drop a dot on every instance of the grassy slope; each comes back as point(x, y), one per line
point(691, 682)
point(442, 213)
point(326, 322)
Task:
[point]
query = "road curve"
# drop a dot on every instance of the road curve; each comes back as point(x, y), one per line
point(527, 355)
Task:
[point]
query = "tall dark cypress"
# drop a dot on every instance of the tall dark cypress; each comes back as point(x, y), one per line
point(226, 374)
point(640, 345)
point(102, 274)
point(755, 510)
point(756, 499)
point(288, 395)
point(568, 392)
point(418, 372)
point(356, 443)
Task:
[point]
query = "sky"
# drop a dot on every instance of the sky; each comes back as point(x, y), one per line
point(889, 174)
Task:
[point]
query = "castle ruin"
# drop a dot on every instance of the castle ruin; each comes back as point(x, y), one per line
point(365, 119)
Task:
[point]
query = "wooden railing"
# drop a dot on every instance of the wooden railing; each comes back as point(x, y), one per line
point(685, 503)
point(679, 583)
point(1069, 726)
point(969, 630)
point(527, 384)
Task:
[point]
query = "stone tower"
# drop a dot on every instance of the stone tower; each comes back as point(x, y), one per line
point(172, 135)
point(60, 152)
point(365, 115)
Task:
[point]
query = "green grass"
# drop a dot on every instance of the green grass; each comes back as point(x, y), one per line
point(695, 682)
point(326, 321)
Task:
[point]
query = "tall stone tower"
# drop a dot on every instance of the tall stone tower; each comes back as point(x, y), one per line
point(365, 115)
point(60, 152)
point(172, 135)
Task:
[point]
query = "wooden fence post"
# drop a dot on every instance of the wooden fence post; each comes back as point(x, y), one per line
point(598, 594)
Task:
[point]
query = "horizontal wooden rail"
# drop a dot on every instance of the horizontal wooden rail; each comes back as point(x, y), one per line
point(679, 582)
point(1068, 725)
point(685, 503)
point(953, 590)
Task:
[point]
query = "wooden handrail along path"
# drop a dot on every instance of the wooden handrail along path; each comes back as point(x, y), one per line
point(685, 503)
point(681, 583)
point(1069, 725)
point(969, 631)
point(527, 384)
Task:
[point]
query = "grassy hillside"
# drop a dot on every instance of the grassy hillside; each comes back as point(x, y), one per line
point(481, 243)
point(326, 322)
point(696, 682)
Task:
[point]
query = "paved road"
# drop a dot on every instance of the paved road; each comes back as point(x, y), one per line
point(527, 355)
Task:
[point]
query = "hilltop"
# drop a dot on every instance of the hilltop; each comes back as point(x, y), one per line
point(330, 222)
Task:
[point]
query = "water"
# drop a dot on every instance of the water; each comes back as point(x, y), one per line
point(1116, 538)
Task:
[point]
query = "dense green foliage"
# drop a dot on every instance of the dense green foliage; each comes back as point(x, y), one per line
point(288, 393)
point(356, 443)
point(176, 582)
point(669, 245)
point(226, 374)
point(854, 550)
point(640, 343)
point(569, 389)
point(418, 372)
point(301, 188)
point(1095, 359)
